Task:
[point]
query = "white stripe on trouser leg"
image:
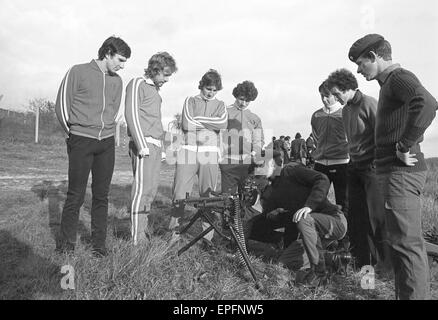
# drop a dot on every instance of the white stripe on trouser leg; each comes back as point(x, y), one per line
point(137, 197)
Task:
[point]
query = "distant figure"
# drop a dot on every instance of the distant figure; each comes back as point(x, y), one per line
point(279, 145)
point(405, 110)
point(310, 146)
point(271, 144)
point(86, 106)
point(287, 146)
point(298, 151)
point(143, 119)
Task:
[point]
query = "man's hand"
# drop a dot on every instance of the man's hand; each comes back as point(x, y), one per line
point(143, 152)
point(407, 158)
point(274, 213)
point(302, 213)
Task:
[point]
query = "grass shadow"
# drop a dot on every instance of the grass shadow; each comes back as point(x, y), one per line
point(25, 275)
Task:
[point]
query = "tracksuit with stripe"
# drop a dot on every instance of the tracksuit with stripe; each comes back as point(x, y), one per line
point(242, 140)
point(202, 119)
point(86, 106)
point(143, 118)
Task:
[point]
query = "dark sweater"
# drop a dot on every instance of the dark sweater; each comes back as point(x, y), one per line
point(359, 117)
point(405, 110)
point(298, 187)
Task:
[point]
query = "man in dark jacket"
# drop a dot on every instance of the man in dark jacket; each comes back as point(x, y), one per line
point(297, 200)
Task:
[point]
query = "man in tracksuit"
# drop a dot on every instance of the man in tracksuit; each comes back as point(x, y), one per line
point(366, 216)
point(86, 106)
point(331, 153)
point(243, 139)
point(404, 111)
point(203, 116)
point(143, 118)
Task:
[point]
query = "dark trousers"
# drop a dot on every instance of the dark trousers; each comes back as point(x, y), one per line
point(402, 195)
point(85, 154)
point(366, 215)
point(337, 175)
point(232, 175)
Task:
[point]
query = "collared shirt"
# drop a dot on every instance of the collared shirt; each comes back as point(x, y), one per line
point(382, 76)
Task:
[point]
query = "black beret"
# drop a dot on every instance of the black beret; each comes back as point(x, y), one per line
point(361, 45)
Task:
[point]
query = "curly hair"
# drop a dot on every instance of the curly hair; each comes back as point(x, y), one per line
point(112, 46)
point(247, 90)
point(211, 78)
point(343, 79)
point(158, 62)
point(324, 90)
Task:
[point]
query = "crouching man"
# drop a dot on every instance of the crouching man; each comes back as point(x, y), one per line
point(296, 199)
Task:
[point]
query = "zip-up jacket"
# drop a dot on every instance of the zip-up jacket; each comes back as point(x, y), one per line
point(244, 133)
point(143, 111)
point(328, 131)
point(88, 101)
point(202, 120)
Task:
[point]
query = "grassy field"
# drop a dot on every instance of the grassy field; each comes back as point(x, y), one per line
point(32, 191)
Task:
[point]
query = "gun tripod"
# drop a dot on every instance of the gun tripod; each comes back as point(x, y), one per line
point(229, 208)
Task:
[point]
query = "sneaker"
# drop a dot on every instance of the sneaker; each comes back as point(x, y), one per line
point(311, 278)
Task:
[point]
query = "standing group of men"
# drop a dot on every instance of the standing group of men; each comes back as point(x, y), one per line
point(368, 149)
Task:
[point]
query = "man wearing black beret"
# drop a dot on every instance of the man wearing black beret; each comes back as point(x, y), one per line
point(405, 110)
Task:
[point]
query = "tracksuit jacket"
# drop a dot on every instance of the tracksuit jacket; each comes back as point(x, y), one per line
point(85, 112)
point(143, 112)
point(236, 142)
point(328, 131)
point(202, 120)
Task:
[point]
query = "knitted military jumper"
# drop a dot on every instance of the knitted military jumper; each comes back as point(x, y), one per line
point(404, 112)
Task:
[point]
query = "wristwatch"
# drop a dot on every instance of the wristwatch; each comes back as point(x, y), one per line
point(401, 147)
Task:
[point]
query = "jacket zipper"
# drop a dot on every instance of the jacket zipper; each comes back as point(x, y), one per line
point(103, 109)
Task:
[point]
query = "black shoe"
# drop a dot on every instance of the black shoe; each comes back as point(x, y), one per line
point(99, 252)
point(314, 277)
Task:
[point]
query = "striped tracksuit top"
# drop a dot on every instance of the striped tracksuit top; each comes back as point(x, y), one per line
point(202, 121)
point(143, 118)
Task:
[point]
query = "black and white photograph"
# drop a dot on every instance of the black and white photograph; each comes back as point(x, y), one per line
point(220, 157)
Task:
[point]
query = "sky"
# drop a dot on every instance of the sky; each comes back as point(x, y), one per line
point(286, 47)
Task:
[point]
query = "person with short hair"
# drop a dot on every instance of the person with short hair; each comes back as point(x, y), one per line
point(203, 116)
point(405, 110)
point(243, 140)
point(366, 216)
point(143, 119)
point(87, 104)
point(331, 153)
point(296, 199)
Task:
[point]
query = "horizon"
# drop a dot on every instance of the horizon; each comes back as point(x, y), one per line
point(286, 48)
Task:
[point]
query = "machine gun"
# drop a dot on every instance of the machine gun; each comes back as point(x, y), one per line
point(230, 208)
